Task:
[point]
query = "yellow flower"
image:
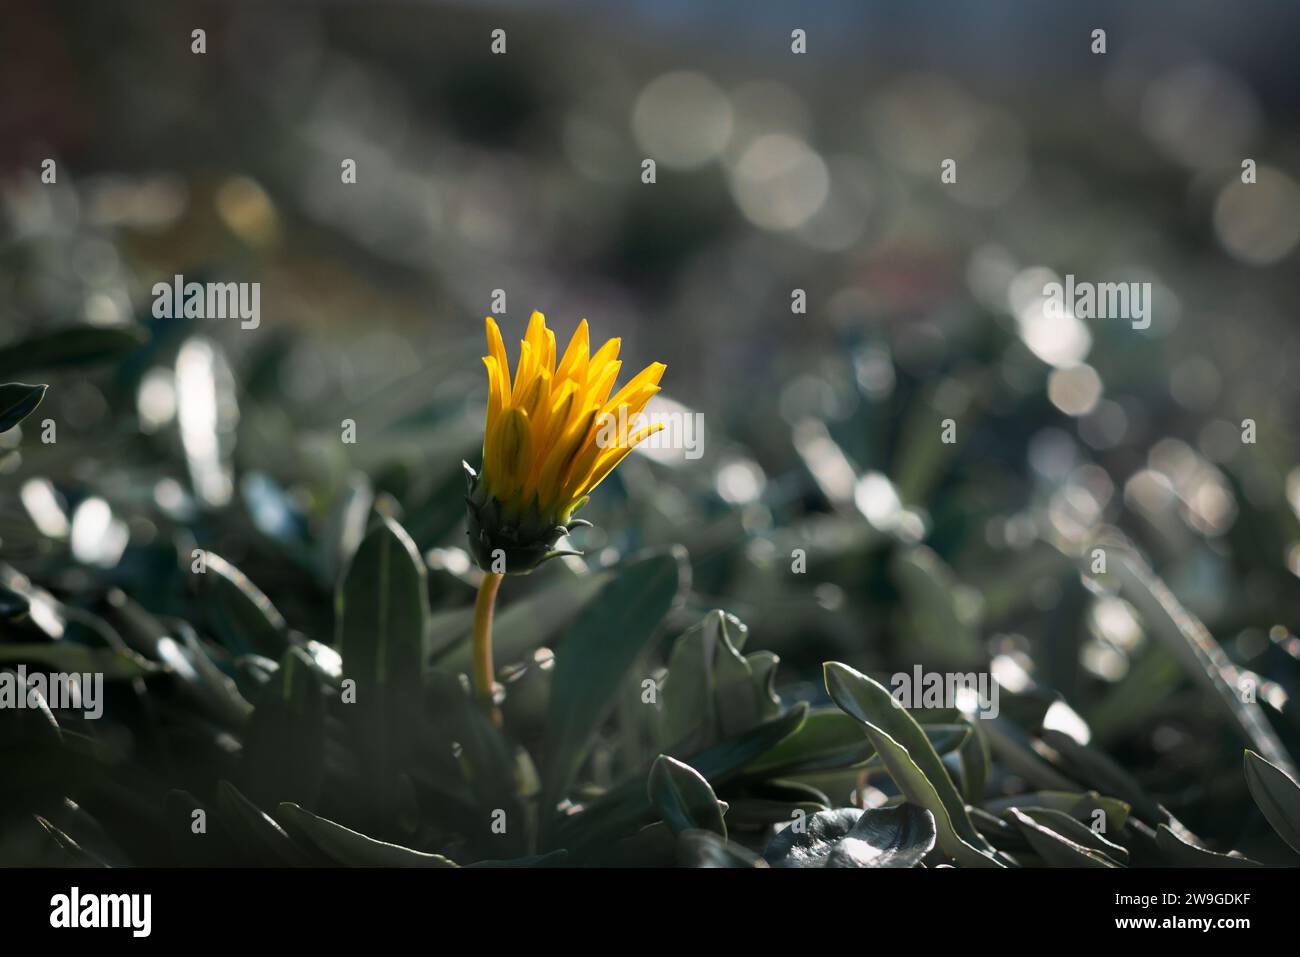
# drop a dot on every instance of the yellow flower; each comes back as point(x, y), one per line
point(552, 435)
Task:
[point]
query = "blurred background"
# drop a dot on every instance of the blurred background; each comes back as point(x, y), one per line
point(775, 172)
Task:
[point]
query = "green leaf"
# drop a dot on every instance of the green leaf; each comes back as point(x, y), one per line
point(1003, 835)
point(70, 346)
point(944, 613)
point(976, 763)
point(551, 859)
point(850, 837)
point(828, 740)
point(72, 656)
point(210, 846)
point(758, 813)
point(260, 834)
point(201, 677)
point(683, 797)
point(1014, 750)
point(240, 614)
point(1075, 831)
point(76, 855)
point(345, 527)
point(947, 740)
point(621, 808)
point(484, 773)
point(763, 665)
point(1181, 853)
point(653, 846)
point(1196, 650)
point(706, 849)
point(921, 463)
point(1095, 768)
point(1127, 705)
point(31, 840)
point(602, 645)
point(17, 401)
point(25, 716)
point(381, 611)
point(13, 604)
point(351, 848)
point(911, 761)
point(1057, 849)
point(724, 761)
point(1080, 806)
point(284, 746)
point(1277, 795)
point(712, 691)
point(520, 626)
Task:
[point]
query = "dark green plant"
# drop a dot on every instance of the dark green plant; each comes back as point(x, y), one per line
point(309, 704)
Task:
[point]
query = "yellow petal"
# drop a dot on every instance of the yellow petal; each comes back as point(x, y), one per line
point(497, 350)
point(599, 386)
point(574, 363)
point(629, 412)
point(611, 457)
point(554, 433)
point(650, 375)
point(523, 373)
point(574, 478)
point(537, 393)
point(549, 428)
point(567, 448)
point(536, 336)
point(496, 395)
point(512, 451)
point(605, 354)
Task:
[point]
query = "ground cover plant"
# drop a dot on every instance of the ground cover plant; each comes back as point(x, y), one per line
point(958, 571)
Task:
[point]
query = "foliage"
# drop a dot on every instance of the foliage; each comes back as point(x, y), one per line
point(289, 660)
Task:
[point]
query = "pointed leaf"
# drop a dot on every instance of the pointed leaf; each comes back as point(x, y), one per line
point(911, 761)
point(1076, 831)
point(1094, 767)
point(1181, 853)
point(706, 849)
point(17, 401)
point(1056, 849)
point(828, 740)
point(239, 612)
point(284, 745)
point(1200, 655)
point(1277, 795)
point(70, 346)
point(603, 643)
point(351, 848)
point(684, 798)
point(381, 611)
point(259, 833)
point(1080, 806)
point(622, 808)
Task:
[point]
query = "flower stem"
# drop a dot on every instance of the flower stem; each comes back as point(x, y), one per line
point(483, 670)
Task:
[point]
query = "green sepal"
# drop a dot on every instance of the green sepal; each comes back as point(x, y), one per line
point(523, 538)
